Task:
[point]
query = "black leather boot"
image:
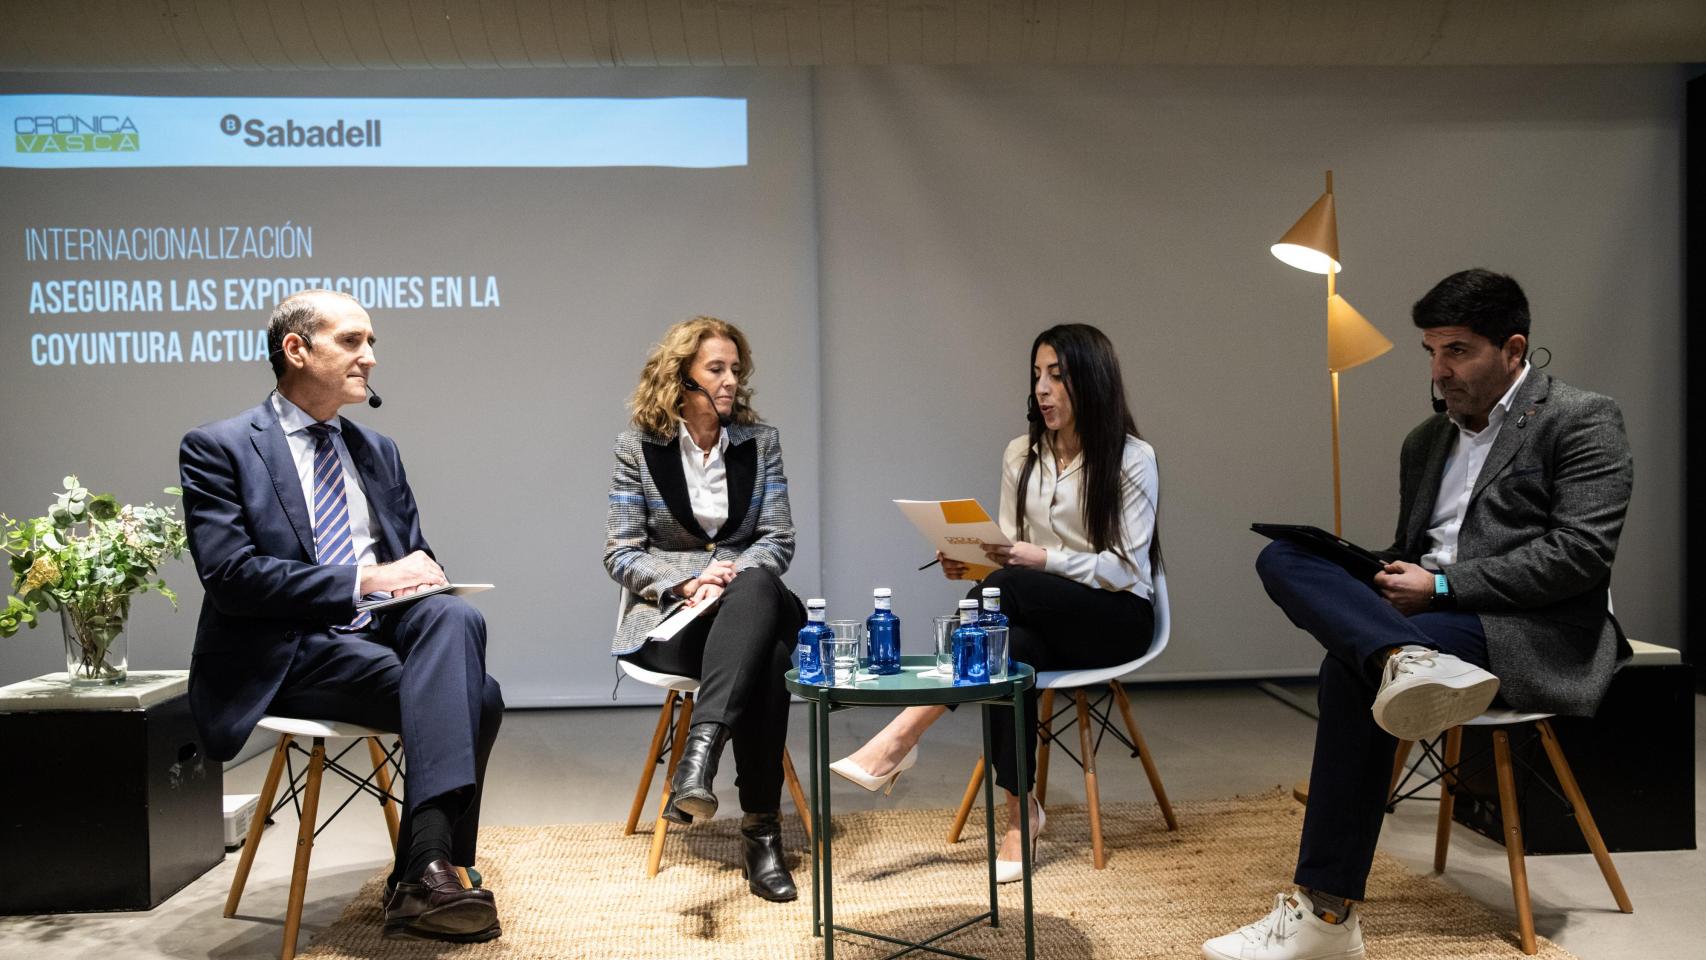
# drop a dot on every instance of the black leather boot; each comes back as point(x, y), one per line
point(766, 866)
point(690, 788)
point(675, 814)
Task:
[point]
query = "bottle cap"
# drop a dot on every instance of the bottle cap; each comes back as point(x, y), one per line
point(968, 604)
point(817, 602)
point(992, 591)
point(882, 592)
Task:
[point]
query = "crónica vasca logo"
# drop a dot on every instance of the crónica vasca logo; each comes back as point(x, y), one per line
point(70, 133)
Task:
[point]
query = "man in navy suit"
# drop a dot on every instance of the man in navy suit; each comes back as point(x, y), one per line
point(295, 514)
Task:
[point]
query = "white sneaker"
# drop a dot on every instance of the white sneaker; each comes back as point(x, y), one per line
point(1291, 932)
point(1424, 692)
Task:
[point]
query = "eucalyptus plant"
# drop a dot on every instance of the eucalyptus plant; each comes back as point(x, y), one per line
point(86, 559)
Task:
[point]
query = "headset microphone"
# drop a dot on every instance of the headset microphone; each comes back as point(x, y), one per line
point(688, 383)
point(1438, 402)
point(373, 398)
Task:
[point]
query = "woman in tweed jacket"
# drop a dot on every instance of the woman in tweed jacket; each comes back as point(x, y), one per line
point(699, 515)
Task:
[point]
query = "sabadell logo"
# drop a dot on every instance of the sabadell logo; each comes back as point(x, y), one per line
point(69, 133)
point(289, 133)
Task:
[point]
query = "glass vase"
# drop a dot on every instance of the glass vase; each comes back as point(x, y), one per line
point(97, 649)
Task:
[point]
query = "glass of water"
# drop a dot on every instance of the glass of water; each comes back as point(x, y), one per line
point(841, 661)
point(995, 651)
point(853, 630)
point(945, 644)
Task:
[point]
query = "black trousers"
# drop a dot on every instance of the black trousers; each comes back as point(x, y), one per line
point(740, 652)
point(421, 672)
point(1058, 624)
point(1352, 770)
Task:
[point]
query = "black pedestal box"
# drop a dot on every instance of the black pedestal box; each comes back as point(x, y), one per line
point(105, 809)
point(1634, 762)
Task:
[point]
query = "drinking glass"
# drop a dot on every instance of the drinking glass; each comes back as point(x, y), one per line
point(945, 644)
point(996, 653)
point(853, 630)
point(841, 661)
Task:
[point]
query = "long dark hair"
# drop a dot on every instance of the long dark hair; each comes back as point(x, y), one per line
point(1090, 372)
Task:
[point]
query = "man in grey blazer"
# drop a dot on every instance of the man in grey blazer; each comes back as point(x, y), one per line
point(1511, 499)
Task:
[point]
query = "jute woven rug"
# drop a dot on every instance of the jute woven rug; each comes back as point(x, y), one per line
point(581, 891)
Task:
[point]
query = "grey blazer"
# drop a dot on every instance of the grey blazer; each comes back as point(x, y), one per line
point(1535, 550)
point(652, 541)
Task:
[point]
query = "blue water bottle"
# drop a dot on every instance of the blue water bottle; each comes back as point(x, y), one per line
point(993, 617)
point(882, 628)
point(808, 651)
point(970, 648)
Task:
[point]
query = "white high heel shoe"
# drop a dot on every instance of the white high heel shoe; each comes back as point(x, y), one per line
point(1007, 871)
point(847, 769)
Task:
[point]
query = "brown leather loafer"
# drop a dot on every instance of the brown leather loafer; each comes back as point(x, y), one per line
point(438, 907)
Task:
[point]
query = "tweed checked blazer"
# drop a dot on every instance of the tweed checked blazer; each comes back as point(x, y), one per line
point(1538, 538)
point(652, 541)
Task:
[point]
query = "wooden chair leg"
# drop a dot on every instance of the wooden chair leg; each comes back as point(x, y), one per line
point(660, 829)
point(793, 781)
point(1513, 838)
point(651, 764)
point(382, 780)
point(304, 848)
point(1045, 710)
point(1144, 756)
point(972, 787)
point(1584, 819)
point(1399, 759)
point(1447, 796)
point(263, 805)
point(1087, 746)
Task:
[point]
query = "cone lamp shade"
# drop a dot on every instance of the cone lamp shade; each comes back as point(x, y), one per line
point(1312, 243)
point(1351, 339)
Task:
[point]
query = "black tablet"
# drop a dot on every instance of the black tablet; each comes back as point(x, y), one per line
point(1360, 563)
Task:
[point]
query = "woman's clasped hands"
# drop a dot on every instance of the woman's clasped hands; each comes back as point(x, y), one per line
point(709, 584)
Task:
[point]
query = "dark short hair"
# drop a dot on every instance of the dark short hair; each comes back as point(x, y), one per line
point(300, 314)
point(1489, 304)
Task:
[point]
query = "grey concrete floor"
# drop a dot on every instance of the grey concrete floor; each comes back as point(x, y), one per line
point(568, 766)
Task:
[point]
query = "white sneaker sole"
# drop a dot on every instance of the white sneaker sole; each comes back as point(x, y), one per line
point(1210, 953)
point(1421, 710)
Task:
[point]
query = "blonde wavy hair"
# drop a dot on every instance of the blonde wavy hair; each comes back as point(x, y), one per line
point(655, 407)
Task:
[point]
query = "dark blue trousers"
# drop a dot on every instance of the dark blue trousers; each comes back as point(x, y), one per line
point(1352, 769)
point(422, 673)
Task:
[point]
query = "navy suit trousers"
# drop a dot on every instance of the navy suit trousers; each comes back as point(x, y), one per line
point(1352, 769)
point(420, 672)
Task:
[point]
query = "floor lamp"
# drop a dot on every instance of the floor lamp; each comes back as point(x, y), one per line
point(1312, 244)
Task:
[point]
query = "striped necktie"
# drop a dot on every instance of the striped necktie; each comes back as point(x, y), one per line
point(333, 541)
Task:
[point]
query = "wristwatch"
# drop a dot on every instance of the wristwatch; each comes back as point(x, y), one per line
point(1443, 598)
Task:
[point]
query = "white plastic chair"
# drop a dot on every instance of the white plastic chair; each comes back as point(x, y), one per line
point(1448, 765)
point(304, 789)
point(1078, 682)
point(668, 740)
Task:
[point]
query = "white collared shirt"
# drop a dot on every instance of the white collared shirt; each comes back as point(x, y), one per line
point(707, 478)
point(296, 422)
point(1054, 515)
point(1462, 467)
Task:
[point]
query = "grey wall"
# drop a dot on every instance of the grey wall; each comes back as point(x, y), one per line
point(962, 211)
point(898, 239)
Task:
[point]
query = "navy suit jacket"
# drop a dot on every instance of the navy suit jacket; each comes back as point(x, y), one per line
point(253, 542)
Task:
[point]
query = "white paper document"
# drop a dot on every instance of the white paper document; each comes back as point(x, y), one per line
point(958, 528)
point(680, 619)
point(454, 589)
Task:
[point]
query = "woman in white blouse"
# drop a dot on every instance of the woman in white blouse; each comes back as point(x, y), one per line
point(1078, 499)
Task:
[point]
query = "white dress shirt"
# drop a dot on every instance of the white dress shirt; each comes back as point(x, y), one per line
point(296, 423)
point(1468, 454)
point(1054, 516)
point(707, 478)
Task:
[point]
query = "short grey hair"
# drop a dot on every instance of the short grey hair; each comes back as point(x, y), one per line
point(300, 314)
